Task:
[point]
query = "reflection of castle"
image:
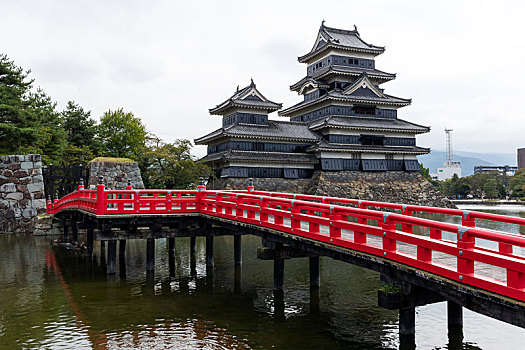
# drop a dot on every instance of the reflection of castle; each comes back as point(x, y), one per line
point(345, 122)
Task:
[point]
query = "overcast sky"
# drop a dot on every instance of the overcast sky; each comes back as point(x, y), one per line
point(170, 61)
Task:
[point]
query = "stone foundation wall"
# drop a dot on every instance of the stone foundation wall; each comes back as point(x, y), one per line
point(393, 186)
point(115, 174)
point(21, 193)
point(263, 184)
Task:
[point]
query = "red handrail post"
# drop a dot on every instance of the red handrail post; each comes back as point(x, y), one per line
point(251, 188)
point(101, 197)
point(515, 279)
point(465, 243)
point(389, 229)
point(263, 215)
point(435, 233)
point(335, 232)
point(49, 205)
point(467, 221)
point(200, 195)
point(295, 224)
point(361, 220)
point(505, 248)
point(407, 227)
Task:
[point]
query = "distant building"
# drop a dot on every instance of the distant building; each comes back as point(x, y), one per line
point(449, 169)
point(345, 122)
point(503, 169)
point(521, 158)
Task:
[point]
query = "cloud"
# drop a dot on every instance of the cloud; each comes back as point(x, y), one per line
point(169, 62)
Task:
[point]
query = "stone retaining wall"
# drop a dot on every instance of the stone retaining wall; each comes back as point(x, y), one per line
point(392, 186)
point(21, 192)
point(115, 174)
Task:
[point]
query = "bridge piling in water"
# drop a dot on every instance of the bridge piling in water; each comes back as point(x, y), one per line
point(407, 321)
point(150, 254)
point(237, 249)
point(209, 252)
point(171, 255)
point(171, 246)
point(121, 248)
point(278, 270)
point(66, 229)
point(111, 265)
point(454, 314)
point(74, 231)
point(314, 271)
point(89, 242)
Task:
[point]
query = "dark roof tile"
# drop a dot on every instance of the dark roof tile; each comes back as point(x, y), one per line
point(246, 97)
point(274, 130)
point(251, 156)
point(327, 146)
point(368, 123)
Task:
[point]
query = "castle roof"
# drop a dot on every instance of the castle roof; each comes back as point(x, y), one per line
point(340, 39)
point(368, 123)
point(308, 81)
point(248, 97)
point(275, 130)
point(365, 94)
point(326, 146)
point(261, 157)
point(352, 71)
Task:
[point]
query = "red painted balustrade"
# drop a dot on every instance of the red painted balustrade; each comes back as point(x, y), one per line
point(479, 257)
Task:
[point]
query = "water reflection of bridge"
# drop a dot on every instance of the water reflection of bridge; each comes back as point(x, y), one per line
point(421, 261)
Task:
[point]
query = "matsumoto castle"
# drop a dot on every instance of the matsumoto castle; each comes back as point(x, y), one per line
point(345, 121)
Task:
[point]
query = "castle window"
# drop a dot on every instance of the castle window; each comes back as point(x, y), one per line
point(368, 110)
point(372, 140)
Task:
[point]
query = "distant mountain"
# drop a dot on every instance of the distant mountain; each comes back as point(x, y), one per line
point(436, 158)
point(495, 158)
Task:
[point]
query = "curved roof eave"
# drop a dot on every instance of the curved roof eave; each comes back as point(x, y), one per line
point(304, 58)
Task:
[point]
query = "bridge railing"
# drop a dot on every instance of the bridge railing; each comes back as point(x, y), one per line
point(450, 250)
point(457, 252)
point(129, 201)
point(468, 217)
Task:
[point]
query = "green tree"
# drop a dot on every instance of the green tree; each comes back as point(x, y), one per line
point(456, 187)
point(28, 119)
point(15, 126)
point(490, 188)
point(123, 135)
point(517, 184)
point(50, 138)
point(171, 165)
point(73, 155)
point(425, 172)
point(81, 130)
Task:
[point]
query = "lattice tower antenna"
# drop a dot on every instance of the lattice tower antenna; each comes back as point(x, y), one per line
point(450, 156)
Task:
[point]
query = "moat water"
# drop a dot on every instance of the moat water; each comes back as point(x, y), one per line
point(50, 298)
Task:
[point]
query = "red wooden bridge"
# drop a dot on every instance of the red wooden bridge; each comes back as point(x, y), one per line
point(430, 260)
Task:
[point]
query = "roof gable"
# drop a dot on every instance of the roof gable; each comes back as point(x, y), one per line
point(248, 97)
point(340, 38)
point(363, 87)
